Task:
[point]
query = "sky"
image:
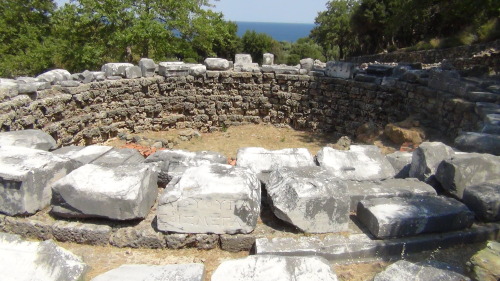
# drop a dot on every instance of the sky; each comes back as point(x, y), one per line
point(288, 11)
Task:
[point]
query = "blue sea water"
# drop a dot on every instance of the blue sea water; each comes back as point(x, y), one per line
point(279, 31)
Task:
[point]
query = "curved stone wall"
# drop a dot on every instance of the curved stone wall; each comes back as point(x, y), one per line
point(96, 111)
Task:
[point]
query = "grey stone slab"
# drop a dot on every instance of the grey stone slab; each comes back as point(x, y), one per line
point(360, 162)
point(133, 72)
point(217, 64)
point(81, 233)
point(173, 163)
point(362, 190)
point(463, 170)
point(401, 162)
point(44, 261)
point(280, 69)
point(212, 198)
point(70, 83)
point(430, 271)
point(55, 76)
point(399, 217)
point(309, 198)
point(484, 200)
point(426, 159)
point(262, 161)
point(119, 156)
point(361, 77)
point(197, 70)
point(25, 178)
point(492, 119)
point(478, 142)
point(115, 69)
point(358, 247)
point(125, 192)
point(482, 96)
point(138, 237)
point(262, 267)
point(172, 69)
point(139, 272)
point(339, 69)
point(30, 138)
point(148, 67)
point(485, 108)
point(242, 59)
point(83, 154)
point(491, 129)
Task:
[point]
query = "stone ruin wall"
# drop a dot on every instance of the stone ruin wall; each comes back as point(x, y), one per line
point(463, 57)
point(96, 111)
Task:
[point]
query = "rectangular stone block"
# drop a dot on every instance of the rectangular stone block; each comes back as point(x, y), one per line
point(398, 217)
point(339, 69)
point(81, 233)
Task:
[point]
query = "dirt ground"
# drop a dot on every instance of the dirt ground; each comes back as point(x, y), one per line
point(102, 259)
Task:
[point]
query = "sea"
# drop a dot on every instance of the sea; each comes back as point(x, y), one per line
point(279, 31)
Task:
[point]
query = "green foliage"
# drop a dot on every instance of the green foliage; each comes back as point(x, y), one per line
point(304, 48)
point(257, 44)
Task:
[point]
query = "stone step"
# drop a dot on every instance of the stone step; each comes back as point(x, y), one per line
point(478, 142)
point(358, 247)
point(399, 217)
point(482, 96)
point(485, 108)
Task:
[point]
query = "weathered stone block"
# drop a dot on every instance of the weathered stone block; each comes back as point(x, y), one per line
point(177, 272)
point(242, 59)
point(173, 163)
point(138, 237)
point(426, 159)
point(212, 198)
point(30, 138)
point(485, 264)
point(28, 228)
point(307, 64)
point(217, 64)
point(339, 69)
point(484, 200)
point(118, 157)
point(464, 170)
point(81, 233)
point(25, 178)
point(399, 217)
point(262, 161)
point(260, 268)
point(309, 198)
point(115, 69)
point(125, 192)
point(197, 70)
point(401, 162)
point(148, 67)
point(45, 261)
point(429, 271)
point(280, 69)
point(54, 76)
point(236, 243)
point(133, 72)
point(478, 142)
point(379, 69)
point(268, 59)
point(361, 162)
point(362, 190)
point(198, 241)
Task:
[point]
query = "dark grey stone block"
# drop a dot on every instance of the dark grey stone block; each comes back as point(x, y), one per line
point(401, 162)
point(398, 217)
point(478, 142)
point(484, 200)
point(426, 159)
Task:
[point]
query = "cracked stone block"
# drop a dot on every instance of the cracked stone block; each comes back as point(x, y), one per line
point(262, 161)
point(309, 198)
point(212, 198)
point(362, 190)
point(148, 67)
point(401, 162)
point(261, 267)
point(399, 217)
point(25, 178)
point(115, 69)
point(360, 162)
point(81, 233)
point(173, 163)
point(30, 138)
point(484, 200)
point(462, 170)
point(44, 261)
point(135, 272)
point(426, 159)
point(429, 271)
point(125, 192)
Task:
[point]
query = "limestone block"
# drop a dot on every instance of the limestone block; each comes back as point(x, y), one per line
point(339, 69)
point(361, 162)
point(25, 178)
point(148, 67)
point(115, 69)
point(309, 198)
point(242, 59)
point(70, 84)
point(484, 200)
point(399, 217)
point(280, 69)
point(362, 190)
point(197, 70)
point(262, 161)
point(426, 159)
point(261, 267)
point(101, 155)
point(133, 72)
point(237, 243)
point(173, 163)
point(268, 59)
point(217, 64)
point(464, 170)
point(54, 76)
point(119, 156)
point(135, 272)
point(81, 233)
point(173, 69)
point(478, 142)
point(138, 237)
point(28, 88)
point(429, 271)
point(307, 64)
point(8, 89)
point(44, 261)
point(212, 198)
point(125, 192)
point(252, 67)
point(401, 162)
point(30, 138)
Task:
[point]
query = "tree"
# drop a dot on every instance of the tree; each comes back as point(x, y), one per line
point(333, 28)
point(25, 36)
point(256, 44)
point(304, 48)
